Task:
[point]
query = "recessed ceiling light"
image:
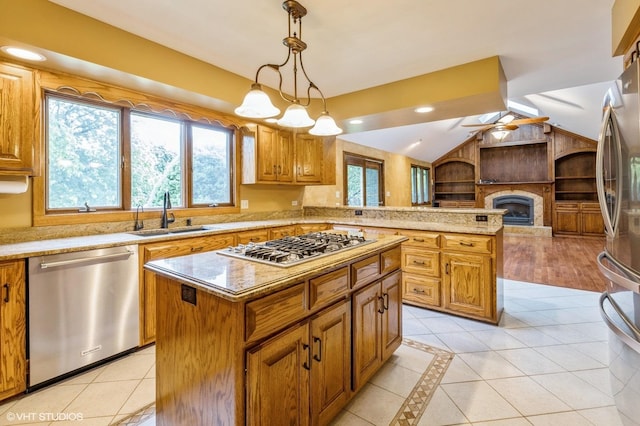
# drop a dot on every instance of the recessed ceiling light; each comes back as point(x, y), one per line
point(423, 110)
point(21, 53)
point(271, 120)
point(355, 122)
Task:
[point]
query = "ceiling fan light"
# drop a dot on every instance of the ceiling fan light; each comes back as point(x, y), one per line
point(325, 126)
point(256, 104)
point(501, 131)
point(296, 116)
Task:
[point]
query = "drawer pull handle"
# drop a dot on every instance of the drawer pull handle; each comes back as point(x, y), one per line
point(381, 308)
point(6, 293)
point(446, 269)
point(418, 290)
point(196, 249)
point(419, 240)
point(385, 301)
point(307, 363)
point(318, 356)
point(419, 262)
point(466, 244)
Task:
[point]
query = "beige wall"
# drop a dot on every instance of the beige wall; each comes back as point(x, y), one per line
point(397, 178)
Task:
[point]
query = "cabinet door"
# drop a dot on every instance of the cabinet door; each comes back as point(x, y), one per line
point(567, 221)
point(591, 219)
point(309, 152)
point(285, 157)
point(267, 154)
point(148, 281)
point(392, 317)
point(13, 327)
point(16, 118)
point(367, 309)
point(278, 379)
point(331, 365)
point(467, 284)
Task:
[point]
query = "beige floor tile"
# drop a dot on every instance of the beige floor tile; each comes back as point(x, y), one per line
point(479, 402)
point(345, 418)
point(103, 399)
point(568, 358)
point(376, 405)
point(86, 377)
point(129, 368)
point(396, 379)
point(459, 371)
point(521, 421)
point(490, 365)
point(498, 339)
point(411, 358)
point(92, 421)
point(570, 418)
point(574, 391)
point(604, 416)
point(143, 395)
point(527, 396)
point(529, 361)
point(441, 411)
point(54, 399)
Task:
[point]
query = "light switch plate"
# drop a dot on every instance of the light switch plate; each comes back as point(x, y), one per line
point(244, 204)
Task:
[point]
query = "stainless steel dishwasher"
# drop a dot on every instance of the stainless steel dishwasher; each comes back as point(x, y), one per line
point(83, 309)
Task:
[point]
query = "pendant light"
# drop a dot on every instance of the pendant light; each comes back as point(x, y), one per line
point(256, 103)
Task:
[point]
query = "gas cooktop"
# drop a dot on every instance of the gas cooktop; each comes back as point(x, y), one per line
point(290, 251)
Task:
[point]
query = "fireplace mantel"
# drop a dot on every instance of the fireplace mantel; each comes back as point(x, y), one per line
point(541, 188)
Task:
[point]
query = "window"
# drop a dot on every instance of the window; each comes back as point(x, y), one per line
point(115, 158)
point(364, 181)
point(419, 185)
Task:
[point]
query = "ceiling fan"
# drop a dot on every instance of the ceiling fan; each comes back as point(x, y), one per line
point(507, 122)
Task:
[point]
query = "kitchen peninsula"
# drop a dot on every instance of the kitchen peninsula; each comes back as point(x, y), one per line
point(240, 342)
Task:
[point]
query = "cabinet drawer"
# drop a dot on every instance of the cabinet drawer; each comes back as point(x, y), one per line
point(423, 262)
point(365, 271)
point(253, 236)
point(421, 239)
point(328, 287)
point(421, 290)
point(390, 260)
point(186, 246)
point(568, 206)
point(467, 243)
point(271, 313)
point(281, 232)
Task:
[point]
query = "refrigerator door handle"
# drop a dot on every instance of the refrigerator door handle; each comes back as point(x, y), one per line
point(614, 276)
point(631, 341)
point(610, 218)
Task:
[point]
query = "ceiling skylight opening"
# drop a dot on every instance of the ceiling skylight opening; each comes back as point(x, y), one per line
point(21, 53)
point(356, 121)
point(520, 107)
point(424, 109)
point(489, 117)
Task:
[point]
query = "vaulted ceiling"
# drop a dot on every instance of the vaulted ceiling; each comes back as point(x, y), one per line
point(556, 55)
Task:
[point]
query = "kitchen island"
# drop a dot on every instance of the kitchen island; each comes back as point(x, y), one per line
point(240, 342)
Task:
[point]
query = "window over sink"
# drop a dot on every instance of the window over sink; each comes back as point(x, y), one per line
point(108, 157)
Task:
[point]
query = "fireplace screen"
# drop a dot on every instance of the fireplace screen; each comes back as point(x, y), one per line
point(520, 209)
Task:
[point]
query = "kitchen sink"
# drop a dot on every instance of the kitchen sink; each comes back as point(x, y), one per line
point(165, 231)
point(187, 229)
point(149, 232)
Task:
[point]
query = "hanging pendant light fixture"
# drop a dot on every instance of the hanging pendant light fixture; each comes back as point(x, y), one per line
point(256, 103)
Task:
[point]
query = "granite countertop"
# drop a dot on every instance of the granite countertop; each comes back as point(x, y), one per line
point(240, 279)
point(64, 245)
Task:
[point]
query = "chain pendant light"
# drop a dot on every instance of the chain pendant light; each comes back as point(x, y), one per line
point(256, 103)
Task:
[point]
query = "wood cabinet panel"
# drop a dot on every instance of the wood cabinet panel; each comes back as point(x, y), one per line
point(328, 287)
point(17, 118)
point(309, 157)
point(365, 271)
point(466, 284)
point(422, 262)
point(331, 365)
point(278, 381)
point(13, 328)
point(281, 232)
point(390, 260)
point(467, 243)
point(367, 334)
point(306, 228)
point(268, 314)
point(421, 290)
point(420, 239)
point(391, 287)
point(255, 236)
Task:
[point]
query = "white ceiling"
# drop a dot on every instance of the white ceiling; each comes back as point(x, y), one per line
point(556, 55)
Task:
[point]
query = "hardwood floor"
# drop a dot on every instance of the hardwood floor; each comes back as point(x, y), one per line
point(559, 261)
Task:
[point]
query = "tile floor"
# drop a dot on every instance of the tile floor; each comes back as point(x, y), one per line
point(546, 364)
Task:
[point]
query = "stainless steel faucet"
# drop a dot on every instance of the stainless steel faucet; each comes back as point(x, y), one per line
point(139, 224)
point(166, 205)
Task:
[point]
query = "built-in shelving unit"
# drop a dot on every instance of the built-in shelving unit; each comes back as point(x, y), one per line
point(455, 180)
point(576, 177)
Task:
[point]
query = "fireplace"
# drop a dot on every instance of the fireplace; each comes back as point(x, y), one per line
point(520, 209)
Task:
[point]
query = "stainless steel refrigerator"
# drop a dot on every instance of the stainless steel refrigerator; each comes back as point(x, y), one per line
point(618, 184)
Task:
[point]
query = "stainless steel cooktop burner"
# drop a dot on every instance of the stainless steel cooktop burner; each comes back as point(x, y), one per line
point(290, 251)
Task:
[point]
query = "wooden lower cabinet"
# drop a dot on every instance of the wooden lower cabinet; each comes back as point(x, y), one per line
point(13, 329)
point(578, 219)
point(377, 326)
point(281, 232)
point(305, 228)
point(466, 284)
point(165, 250)
point(306, 369)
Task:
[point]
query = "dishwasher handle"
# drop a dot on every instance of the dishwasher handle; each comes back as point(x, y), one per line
point(45, 265)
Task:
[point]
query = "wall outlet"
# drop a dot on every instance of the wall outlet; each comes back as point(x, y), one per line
point(337, 194)
point(481, 218)
point(294, 203)
point(244, 204)
point(358, 212)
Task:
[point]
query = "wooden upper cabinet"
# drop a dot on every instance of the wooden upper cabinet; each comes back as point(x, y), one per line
point(267, 156)
point(17, 120)
point(309, 152)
